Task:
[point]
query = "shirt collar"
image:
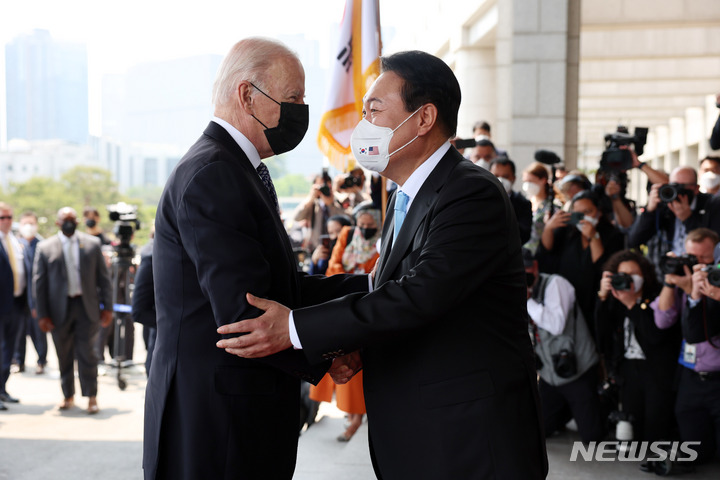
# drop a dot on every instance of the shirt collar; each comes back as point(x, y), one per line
point(412, 185)
point(64, 239)
point(241, 140)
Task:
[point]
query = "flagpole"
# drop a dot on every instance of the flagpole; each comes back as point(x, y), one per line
point(383, 180)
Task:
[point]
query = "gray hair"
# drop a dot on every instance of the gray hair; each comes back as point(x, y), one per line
point(249, 59)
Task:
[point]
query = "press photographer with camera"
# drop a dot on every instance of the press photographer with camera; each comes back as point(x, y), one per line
point(350, 189)
point(315, 211)
point(576, 244)
point(685, 297)
point(565, 353)
point(639, 357)
point(673, 209)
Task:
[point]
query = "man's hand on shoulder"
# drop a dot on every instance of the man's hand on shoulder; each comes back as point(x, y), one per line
point(265, 335)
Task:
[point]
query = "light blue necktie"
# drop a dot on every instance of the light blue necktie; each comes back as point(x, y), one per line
point(401, 202)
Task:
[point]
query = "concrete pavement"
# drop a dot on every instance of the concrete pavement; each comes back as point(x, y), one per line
point(37, 442)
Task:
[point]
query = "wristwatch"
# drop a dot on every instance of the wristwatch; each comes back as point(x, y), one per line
point(642, 164)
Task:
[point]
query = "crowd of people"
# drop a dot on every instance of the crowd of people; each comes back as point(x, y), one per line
point(60, 285)
point(625, 295)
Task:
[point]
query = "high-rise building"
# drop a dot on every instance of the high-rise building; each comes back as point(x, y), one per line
point(46, 89)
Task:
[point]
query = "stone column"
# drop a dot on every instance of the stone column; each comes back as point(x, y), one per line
point(537, 55)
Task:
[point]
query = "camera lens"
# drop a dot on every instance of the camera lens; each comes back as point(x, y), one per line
point(668, 193)
point(621, 281)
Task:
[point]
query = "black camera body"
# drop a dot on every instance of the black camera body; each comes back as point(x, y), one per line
point(351, 181)
point(670, 192)
point(126, 222)
point(713, 272)
point(674, 265)
point(621, 281)
point(615, 158)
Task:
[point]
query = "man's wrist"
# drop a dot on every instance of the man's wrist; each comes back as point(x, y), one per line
point(641, 165)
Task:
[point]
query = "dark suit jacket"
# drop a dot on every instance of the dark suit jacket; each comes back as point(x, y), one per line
point(523, 213)
point(210, 414)
point(50, 282)
point(706, 214)
point(143, 298)
point(449, 375)
point(28, 260)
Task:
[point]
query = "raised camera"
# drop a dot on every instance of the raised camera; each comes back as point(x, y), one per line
point(351, 181)
point(621, 281)
point(575, 218)
point(674, 265)
point(713, 272)
point(670, 192)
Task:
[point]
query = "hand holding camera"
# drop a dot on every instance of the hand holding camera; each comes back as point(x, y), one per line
point(678, 270)
point(559, 219)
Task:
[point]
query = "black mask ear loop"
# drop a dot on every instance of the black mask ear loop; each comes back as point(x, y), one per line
point(268, 96)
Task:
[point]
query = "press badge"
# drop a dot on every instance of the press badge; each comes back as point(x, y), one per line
point(689, 354)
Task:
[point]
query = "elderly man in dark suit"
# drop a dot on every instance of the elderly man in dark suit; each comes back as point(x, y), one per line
point(450, 382)
point(218, 235)
point(71, 281)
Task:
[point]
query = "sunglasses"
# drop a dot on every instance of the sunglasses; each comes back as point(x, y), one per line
point(6, 217)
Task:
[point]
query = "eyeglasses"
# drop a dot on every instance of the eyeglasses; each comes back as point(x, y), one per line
point(6, 217)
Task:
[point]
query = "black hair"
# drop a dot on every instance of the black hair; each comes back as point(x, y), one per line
point(485, 143)
point(482, 125)
point(651, 288)
point(503, 160)
point(426, 79)
point(343, 220)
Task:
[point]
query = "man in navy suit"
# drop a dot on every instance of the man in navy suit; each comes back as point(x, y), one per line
point(449, 374)
point(218, 235)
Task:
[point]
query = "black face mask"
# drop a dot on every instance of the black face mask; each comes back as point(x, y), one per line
point(90, 223)
point(291, 127)
point(368, 233)
point(68, 228)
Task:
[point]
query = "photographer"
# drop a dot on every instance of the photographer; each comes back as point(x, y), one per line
point(566, 354)
point(575, 246)
point(350, 188)
point(321, 254)
point(315, 211)
point(690, 297)
point(673, 210)
point(709, 180)
point(536, 187)
point(639, 357)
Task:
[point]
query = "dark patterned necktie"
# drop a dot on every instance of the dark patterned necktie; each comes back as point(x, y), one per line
point(267, 181)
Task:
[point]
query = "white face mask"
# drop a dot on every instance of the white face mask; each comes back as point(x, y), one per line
point(709, 180)
point(591, 220)
point(28, 230)
point(506, 183)
point(637, 282)
point(531, 189)
point(370, 144)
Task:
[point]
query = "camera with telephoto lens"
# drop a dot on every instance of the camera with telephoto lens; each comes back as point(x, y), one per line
point(351, 181)
point(674, 265)
point(621, 281)
point(126, 222)
point(616, 161)
point(670, 192)
point(713, 272)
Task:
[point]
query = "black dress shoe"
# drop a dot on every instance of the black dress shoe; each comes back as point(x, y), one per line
point(7, 398)
point(2, 406)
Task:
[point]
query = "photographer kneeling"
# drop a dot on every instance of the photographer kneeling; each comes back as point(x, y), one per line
point(691, 297)
point(639, 357)
point(565, 352)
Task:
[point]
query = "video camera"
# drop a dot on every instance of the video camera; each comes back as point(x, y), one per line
point(674, 265)
point(616, 161)
point(615, 158)
point(126, 222)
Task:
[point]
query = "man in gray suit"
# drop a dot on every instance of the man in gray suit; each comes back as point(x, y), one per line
point(71, 281)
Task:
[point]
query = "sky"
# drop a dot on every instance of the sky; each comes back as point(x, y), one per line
point(119, 35)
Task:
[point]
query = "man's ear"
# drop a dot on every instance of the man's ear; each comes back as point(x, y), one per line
point(243, 96)
point(428, 116)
